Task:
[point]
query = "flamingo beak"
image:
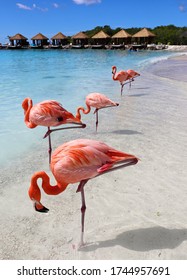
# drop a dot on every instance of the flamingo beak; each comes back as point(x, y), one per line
point(73, 120)
point(40, 208)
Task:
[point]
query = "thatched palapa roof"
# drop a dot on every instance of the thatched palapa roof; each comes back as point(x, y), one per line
point(100, 35)
point(122, 34)
point(39, 36)
point(18, 36)
point(144, 33)
point(59, 36)
point(80, 35)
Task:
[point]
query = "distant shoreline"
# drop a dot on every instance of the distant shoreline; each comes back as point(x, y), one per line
point(131, 47)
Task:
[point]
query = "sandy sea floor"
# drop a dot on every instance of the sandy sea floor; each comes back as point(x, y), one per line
point(135, 213)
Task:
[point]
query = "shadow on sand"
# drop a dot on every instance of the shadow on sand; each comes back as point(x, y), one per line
point(126, 131)
point(137, 95)
point(146, 239)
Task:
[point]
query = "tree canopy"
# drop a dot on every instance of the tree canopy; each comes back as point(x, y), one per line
point(169, 34)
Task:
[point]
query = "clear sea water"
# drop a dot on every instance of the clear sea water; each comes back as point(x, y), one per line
point(64, 75)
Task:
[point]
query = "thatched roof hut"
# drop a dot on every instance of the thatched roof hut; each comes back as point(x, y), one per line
point(101, 38)
point(59, 39)
point(121, 37)
point(40, 40)
point(144, 36)
point(18, 40)
point(80, 39)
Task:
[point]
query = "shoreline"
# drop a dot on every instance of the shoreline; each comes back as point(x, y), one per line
point(174, 67)
point(148, 198)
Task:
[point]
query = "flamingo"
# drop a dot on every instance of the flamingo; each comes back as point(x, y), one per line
point(133, 75)
point(77, 161)
point(48, 113)
point(121, 76)
point(98, 101)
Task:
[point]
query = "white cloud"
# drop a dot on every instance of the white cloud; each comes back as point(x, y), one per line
point(86, 2)
point(182, 8)
point(34, 6)
point(55, 5)
point(23, 7)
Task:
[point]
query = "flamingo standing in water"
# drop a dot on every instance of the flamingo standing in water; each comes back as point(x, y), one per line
point(97, 101)
point(78, 161)
point(121, 76)
point(48, 113)
point(124, 77)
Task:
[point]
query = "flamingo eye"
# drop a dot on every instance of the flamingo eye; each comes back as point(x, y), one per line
point(60, 119)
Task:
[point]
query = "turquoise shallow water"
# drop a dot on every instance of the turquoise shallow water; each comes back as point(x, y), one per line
point(66, 76)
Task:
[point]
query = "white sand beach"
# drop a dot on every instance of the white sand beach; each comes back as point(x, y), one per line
point(135, 213)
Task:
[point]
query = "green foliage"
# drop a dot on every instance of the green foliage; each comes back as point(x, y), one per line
point(164, 34)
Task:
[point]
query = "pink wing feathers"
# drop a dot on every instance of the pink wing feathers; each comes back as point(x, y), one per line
point(83, 159)
point(98, 100)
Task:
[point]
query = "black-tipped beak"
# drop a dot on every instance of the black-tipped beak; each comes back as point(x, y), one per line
point(83, 125)
point(41, 209)
point(79, 125)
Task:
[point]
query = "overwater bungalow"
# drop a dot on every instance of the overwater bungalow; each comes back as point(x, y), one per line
point(120, 39)
point(79, 40)
point(100, 40)
point(144, 37)
point(18, 41)
point(39, 41)
point(59, 40)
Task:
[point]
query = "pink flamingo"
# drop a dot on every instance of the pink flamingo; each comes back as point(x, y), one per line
point(121, 76)
point(133, 75)
point(48, 113)
point(97, 101)
point(78, 161)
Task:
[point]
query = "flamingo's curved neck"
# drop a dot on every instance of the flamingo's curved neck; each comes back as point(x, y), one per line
point(34, 190)
point(85, 111)
point(27, 106)
point(114, 74)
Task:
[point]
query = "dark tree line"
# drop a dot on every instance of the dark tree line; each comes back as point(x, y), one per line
point(169, 34)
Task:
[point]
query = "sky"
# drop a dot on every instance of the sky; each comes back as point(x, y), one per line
point(29, 17)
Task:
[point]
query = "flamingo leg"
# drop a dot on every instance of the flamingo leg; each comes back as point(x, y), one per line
point(83, 208)
point(122, 85)
point(97, 118)
point(62, 128)
point(49, 131)
point(122, 164)
point(50, 146)
point(97, 113)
